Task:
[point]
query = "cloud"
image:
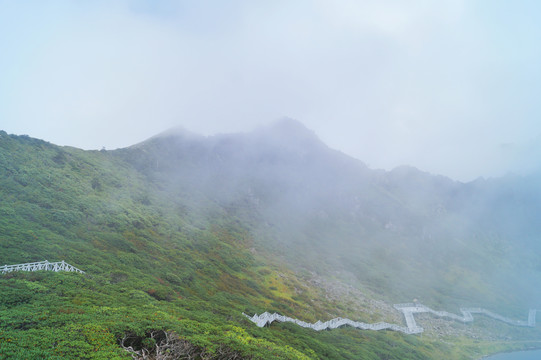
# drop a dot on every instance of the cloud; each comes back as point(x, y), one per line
point(432, 84)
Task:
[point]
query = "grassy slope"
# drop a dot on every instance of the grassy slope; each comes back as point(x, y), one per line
point(151, 264)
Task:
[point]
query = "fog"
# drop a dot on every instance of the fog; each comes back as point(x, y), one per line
point(449, 87)
point(403, 234)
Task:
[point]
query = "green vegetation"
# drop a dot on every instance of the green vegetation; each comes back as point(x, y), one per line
point(159, 260)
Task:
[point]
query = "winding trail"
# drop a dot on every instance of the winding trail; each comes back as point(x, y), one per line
point(408, 310)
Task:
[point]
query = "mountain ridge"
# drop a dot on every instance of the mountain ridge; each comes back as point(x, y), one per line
point(318, 181)
point(200, 229)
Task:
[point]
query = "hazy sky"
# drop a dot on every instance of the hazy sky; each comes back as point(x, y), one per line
point(451, 87)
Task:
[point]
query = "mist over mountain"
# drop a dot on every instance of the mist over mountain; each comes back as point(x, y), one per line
point(257, 221)
point(405, 233)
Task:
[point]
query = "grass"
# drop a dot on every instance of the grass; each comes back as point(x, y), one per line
point(159, 258)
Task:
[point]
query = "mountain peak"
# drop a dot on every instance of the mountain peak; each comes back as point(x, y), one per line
point(288, 124)
point(288, 133)
point(177, 131)
point(291, 128)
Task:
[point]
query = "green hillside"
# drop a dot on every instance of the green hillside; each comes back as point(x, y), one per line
point(180, 235)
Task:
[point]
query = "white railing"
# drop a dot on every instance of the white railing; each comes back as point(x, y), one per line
point(531, 318)
point(406, 309)
point(267, 318)
point(40, 266)
point(409, 309)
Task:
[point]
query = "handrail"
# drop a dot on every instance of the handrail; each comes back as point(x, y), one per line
point(39, 266)
point(407, 310)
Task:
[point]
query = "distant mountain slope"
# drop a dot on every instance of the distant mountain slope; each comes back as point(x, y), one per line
point(404, 233)
point(183, 233)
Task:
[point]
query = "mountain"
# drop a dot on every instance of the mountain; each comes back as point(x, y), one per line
point(316, 207)
point(180, 234)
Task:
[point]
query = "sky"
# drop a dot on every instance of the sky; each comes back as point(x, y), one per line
point(451, 87)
